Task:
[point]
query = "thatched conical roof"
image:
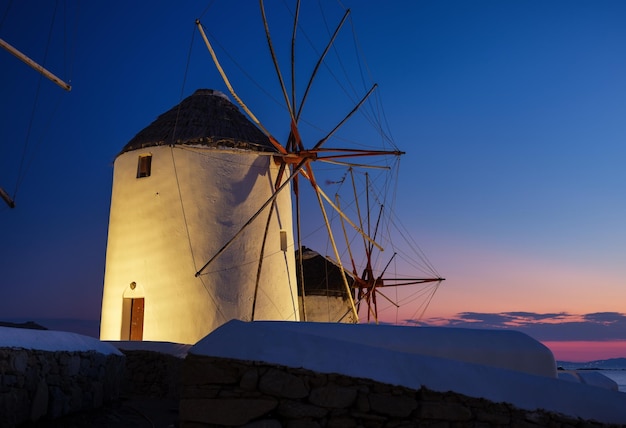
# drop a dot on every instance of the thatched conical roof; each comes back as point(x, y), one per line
point(206, 118)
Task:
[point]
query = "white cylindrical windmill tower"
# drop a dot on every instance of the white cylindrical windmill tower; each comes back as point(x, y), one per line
point(182, 188)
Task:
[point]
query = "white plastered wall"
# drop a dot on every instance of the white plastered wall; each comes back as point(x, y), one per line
point(165, 227)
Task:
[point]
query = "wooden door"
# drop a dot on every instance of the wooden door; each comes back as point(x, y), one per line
point(136, 319)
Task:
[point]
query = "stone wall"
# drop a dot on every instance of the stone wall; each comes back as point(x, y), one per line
point(224, 392)
point(37, 384)
point(151, 374)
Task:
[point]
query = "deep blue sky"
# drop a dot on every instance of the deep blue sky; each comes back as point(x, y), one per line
point(512, 115)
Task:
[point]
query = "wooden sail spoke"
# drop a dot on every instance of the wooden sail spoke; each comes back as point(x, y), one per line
point(296, 183)
point(375, 306)
point(222, 73)
point(254, 216)
point(319, 62)
point(293, 54)
point(40, 69)
point(399, 282)
point(387, 298)
point(294, 157)
point(345, 236)
point(387, 282)
point(308, 173)
point(275, 61)
point(368, 285)
point(336, 251)
point(6, 198)
point(365, 296)
point(261, 257)
point(372, 307)
point(279, 176)
point(364, 152)
point(344, 120)
point(355, 154)
point(297, 157)
point(298, 146)
point(300, 256)
point(355, 165)
point(358, 205)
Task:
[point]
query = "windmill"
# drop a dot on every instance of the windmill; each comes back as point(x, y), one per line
point(181, 186)
point(297, 163)
point(202, 218)
point(369, 281)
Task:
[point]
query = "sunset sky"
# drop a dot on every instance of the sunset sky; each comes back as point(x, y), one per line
point(512, 115)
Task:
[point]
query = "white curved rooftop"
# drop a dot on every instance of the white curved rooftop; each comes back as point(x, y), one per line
point(391, 354)
point(50, 340)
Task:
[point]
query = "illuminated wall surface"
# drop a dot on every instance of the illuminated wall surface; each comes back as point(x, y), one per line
point(165, 226)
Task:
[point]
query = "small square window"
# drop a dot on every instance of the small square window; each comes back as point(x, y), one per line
point(144, 166)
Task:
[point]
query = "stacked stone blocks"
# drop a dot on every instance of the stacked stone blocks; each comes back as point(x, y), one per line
point(225, 392)
point(37, 384)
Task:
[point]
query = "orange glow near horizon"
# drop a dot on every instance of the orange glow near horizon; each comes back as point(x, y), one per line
point(583, 351)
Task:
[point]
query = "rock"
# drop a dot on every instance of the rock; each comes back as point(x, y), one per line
point(362, 402)
point(303, 423)
point(72, 366)
point(8, 405)
point(197, 370)
point(39, 406)
point(297, 410)
point(397, 406)
point(19, 360)
point(37, 384)
point(341, 422)
point(75, 402)
point(493, 416)
point(332, 396)
point(229, 412)
point(97, 394)
point(249, 379)
point(444, 411)
point(57, 402)
point(282, 384)
point(264, 423)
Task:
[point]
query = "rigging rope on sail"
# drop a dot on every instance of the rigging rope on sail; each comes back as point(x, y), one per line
point(6, 13)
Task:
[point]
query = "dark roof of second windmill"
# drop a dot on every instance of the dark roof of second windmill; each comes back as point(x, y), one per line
point(322, 277)
point(205, 118)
